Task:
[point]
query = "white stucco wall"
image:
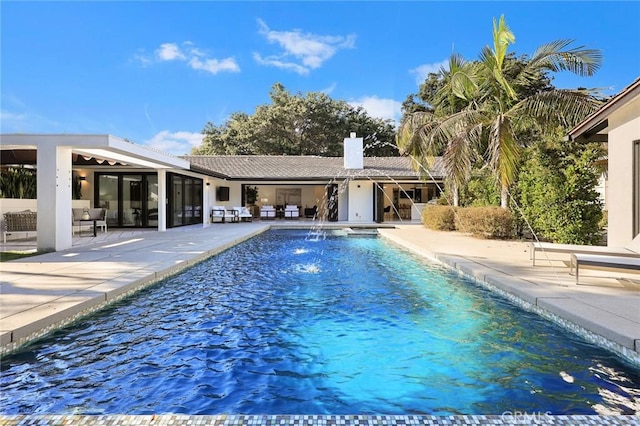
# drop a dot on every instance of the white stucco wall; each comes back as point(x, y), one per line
point(624, 129)
point(360, 201)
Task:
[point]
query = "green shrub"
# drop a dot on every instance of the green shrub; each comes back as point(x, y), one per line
point(439, 218)
point(485, 222)
point(556, 191)
point(480, 190)
point(18, 182)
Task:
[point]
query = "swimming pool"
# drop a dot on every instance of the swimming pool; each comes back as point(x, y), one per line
point(290, 323)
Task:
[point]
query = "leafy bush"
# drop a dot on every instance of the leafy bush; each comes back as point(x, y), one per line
point(485, 222)
point(480, 190)
point(556, 191)
point(439, 218)
point(18, 182)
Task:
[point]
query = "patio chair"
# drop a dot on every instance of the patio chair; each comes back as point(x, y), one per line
point(267, 212)
point(291, 212)
point(218, 212)
point(102, 221)
point(232, 214)
point(244, 215)
point(311, 212)
point(388, 215)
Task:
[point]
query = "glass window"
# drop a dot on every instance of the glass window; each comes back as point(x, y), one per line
point(108, 197)
point(152, 200)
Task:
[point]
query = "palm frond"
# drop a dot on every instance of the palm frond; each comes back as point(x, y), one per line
point(503, 150)
point(579, 60)
point(558, 107)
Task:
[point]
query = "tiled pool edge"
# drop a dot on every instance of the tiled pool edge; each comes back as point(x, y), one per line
point(321, 420)
point(107, 298)
point(494, 281)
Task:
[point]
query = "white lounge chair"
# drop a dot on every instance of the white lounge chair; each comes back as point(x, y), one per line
point(630, 250)
point(291, 212)
point(243, 214)
point(595, 261)
point(218, 213)
point(267, 212)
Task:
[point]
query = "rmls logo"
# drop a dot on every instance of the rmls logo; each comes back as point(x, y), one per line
point(523, 417)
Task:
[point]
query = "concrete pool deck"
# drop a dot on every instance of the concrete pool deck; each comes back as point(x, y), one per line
point(44, 292)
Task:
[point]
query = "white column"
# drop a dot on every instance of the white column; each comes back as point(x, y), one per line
point(54, 197)
point(206, 209)
point(162, 200)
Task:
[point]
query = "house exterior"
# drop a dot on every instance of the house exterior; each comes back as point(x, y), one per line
point(618, 124)
point(143, 188)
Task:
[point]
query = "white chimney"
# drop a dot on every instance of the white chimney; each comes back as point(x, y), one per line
point(353, 152)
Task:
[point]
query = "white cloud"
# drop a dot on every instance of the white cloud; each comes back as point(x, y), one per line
point(422, 71)
point(308, 51)
point(176, 143)
point(214, 66)
point(169, 52)
point(11, 116)
point(275, 62)
point(194, 57)
point(387, 109)
point(330, 89)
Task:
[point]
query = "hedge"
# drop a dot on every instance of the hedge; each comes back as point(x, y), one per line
point(439, 218)
point(486, 222)
point(483, 222)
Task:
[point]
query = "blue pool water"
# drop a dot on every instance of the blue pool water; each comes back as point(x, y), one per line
point(288, 323)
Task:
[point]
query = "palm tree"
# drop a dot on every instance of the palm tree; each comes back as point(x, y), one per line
point(499, 108)
point(441, 131)
point(503, 112)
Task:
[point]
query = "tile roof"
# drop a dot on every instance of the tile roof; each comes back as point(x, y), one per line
point(283, 167)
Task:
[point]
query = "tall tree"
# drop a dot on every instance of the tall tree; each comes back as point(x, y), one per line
point(311, 124)
point(505, 99)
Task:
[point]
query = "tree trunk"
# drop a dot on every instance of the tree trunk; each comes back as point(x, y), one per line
point(456, 194)
point(504, 197)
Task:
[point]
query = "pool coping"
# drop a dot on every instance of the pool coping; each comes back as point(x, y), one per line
point(508, 418)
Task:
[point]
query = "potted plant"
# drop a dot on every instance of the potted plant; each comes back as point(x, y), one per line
point(251, 195)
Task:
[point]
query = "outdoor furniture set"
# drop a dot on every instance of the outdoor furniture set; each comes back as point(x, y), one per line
point(269, 212)
point(86, 217)
point(234, 214)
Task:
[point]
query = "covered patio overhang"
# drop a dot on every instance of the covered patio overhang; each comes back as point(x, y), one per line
point(55, 155)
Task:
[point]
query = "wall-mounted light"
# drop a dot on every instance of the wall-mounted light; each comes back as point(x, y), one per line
point(208, 184)
point(83, 178)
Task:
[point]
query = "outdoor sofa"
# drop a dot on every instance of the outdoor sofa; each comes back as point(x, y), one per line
point(23, 222)
point(267, 212)
point(291, 212)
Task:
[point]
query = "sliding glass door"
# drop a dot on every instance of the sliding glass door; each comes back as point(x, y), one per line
point(185, 200)
point(131, 199)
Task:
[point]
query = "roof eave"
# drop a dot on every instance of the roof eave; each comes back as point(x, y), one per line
point(601, 115)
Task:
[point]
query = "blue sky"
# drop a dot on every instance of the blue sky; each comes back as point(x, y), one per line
point(157, 72)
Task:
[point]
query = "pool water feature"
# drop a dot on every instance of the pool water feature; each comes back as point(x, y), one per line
point(288, 323)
